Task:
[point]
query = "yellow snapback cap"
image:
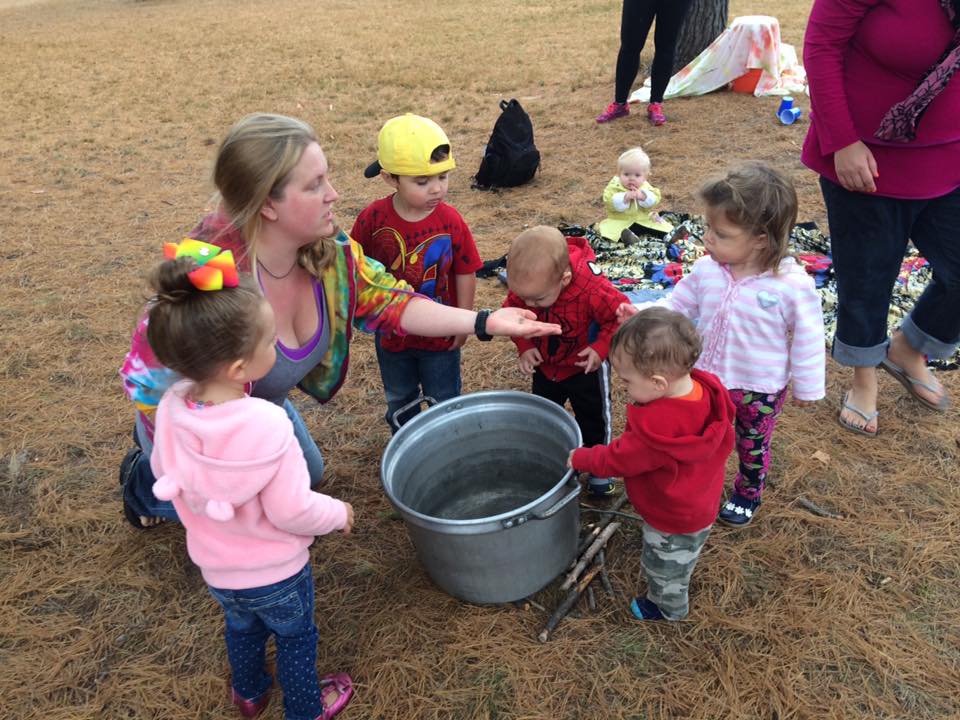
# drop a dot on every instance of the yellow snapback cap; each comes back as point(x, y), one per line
point(405, 145)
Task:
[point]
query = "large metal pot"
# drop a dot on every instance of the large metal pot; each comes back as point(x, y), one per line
point(482, 484)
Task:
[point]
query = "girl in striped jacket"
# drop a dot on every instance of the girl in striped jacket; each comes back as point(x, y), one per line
point(758, 313)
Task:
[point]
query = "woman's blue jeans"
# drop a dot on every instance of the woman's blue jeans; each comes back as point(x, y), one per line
point(868, 238)
point(284, 610)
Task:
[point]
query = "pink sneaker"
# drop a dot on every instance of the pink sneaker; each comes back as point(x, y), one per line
point(249, 708)
point(614, 110)
point(339, 684)
point(655, 114)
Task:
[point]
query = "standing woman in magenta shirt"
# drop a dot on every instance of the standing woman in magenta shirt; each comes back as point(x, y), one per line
point(885, 138)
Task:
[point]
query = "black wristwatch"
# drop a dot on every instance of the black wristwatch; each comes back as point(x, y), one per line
point(480, 325)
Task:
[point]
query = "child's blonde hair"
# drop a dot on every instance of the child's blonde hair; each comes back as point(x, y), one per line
point(196, 332)
point(538, 251)
point(658, 341)
point(635, 156)
point(761, 200)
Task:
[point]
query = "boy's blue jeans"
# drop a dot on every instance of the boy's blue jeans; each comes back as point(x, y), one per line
point(284, 610)
point(404, 373)
point(140, 492)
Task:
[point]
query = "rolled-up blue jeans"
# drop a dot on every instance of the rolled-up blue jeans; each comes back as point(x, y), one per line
point(140, 492)
point(868, 239)
point(284, 610)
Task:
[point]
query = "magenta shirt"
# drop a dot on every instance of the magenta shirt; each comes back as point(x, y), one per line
point(862, 57)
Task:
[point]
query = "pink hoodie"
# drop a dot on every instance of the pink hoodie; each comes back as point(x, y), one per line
point(238, 480)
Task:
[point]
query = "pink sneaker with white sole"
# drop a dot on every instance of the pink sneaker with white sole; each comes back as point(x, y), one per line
point(614, 110)
point(655, 114)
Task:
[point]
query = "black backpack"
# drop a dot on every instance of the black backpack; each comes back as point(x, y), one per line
point(510, 158)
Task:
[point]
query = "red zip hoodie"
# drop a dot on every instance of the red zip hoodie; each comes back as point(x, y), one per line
point(671, 457)
point(589, 297)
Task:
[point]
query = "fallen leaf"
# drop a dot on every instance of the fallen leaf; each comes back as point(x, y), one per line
point(822, 457)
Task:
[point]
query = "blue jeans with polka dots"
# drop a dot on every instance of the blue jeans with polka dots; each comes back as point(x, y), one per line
point(284, 610)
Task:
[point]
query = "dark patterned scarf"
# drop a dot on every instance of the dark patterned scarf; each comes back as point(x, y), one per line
point(900, 122)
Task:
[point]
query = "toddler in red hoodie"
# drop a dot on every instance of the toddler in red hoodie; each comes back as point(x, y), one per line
point(672, 452)
point(555, 276)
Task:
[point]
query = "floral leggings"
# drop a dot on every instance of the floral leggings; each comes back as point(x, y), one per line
point(757, 415)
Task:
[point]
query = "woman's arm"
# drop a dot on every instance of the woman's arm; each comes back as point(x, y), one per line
point(466, 294)
point(830, 30)
point(429, 319)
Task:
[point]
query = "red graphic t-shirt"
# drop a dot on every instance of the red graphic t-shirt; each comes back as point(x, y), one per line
point(428, 254)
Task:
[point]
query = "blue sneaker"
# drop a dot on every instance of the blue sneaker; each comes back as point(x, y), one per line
point(738, 511)
point(601, 487)
point(644, 609)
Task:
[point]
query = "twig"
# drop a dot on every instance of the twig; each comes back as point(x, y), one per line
point(604, 578)
point(632, 516)
point(584, 544)
point(601, 523)
point(568, 602)
point(817, 510)
point(591, 599)
point(589, 554)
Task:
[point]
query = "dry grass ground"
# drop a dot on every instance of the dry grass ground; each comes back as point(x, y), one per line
point(111, 111)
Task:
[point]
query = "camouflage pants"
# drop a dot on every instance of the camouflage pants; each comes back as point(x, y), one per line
point(668, 562)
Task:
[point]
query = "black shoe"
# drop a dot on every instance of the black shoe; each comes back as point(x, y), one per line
point(601, 487)
point(644, 609)
point(738, 511)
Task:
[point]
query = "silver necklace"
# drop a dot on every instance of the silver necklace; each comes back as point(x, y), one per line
point(278, 277)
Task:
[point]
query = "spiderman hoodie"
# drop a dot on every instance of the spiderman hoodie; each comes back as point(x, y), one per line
point(589, 297)
point(671, 456)
point(237, 477)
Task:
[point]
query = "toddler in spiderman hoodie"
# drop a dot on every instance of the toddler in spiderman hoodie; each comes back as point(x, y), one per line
point(555, 276)
point(671, 455)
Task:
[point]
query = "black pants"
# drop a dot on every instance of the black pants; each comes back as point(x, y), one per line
point(868, 238)
point(635, 23)
point(589, 396)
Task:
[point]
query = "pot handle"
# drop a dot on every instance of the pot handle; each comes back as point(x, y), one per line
point(572, 495)
point(413, 403)
point(549, 512)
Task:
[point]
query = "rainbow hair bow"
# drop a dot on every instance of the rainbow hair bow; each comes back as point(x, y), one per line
point(217, 268)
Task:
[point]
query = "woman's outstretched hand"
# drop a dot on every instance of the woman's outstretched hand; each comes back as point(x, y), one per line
point(518, 322)
point(856, 168)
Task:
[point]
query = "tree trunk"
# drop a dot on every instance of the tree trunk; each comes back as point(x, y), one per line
point(705, 20)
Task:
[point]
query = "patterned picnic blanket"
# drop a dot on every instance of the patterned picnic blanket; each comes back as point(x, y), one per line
point(654, 265)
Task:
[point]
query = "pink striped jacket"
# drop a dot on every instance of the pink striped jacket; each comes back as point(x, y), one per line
point(759, 333)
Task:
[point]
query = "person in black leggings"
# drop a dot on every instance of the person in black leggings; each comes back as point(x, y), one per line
point(635, 23)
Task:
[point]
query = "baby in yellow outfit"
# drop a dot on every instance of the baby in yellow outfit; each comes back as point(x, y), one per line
point(630, 199)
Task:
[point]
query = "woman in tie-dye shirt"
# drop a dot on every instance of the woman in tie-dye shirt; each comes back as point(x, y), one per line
point(276, 215)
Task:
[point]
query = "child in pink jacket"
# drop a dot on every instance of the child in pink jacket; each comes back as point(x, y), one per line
point(238, 479)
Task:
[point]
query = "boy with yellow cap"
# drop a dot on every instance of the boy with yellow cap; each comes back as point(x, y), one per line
point(424, 241)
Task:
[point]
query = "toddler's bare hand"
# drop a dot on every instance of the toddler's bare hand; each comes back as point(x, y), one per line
point(624, 311)
point(570, 459)
point(349, 526)
point(591, 360)
point(529, 361)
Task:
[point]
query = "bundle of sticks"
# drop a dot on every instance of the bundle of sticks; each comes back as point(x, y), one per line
point(587, 567)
